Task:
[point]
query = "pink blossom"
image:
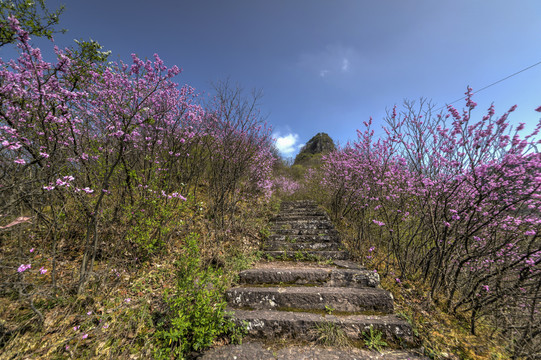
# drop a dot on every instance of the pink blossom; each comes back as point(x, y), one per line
point(24, 267)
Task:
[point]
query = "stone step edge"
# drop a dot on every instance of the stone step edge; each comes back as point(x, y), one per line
point(304, 238)
point(327, 277)
point(301, 220)
point(269, 324)
point(302, 245)
point(303, 255)
point(306, 298)
point(293, 232)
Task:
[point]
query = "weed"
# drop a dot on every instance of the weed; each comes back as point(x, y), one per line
point(409, 320)
point(329, 334)
point(373, 339)
point(264, 232)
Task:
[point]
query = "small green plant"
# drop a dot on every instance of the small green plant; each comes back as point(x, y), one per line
point(299, 255)
point(264, 232)
point(410, 321)
point(329, 309)
point(329, 334)
point(290, 240)
point(323, 261)
point(372, 339)
point(196, 315)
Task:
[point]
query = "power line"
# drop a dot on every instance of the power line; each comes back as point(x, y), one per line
point(494, 83)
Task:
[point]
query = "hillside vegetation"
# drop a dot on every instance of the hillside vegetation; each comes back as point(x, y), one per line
point(127, 206)
point(446, 208)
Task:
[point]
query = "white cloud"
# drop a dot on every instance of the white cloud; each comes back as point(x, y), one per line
point(345, 64)
point(331, 60)
point(286, 144)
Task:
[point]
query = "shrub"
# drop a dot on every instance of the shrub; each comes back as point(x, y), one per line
point(454, 202)
point(196, 315)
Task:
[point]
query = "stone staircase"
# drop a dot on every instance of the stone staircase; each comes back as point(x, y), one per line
point(292, 299)
point(302, 231)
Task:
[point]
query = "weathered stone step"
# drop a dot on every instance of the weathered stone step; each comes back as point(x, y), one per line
point(294, 246)
point(333, 277)
point(263, 350)
point(305, 231)
point(304, 238)
point(299, 207)
point(341, 299)
point(269, 324)
point(314, 211)
point(304, 219)
point(297, 204)
point(306, 255)
point(320, 215)
point(301, 224)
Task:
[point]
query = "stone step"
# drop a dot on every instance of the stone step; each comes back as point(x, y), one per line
point(305, 219)
point(308, 212)
point(294, 218)
point(263, 350)
point(304, 238)
point(305, 231)
point(301, 207)
point(306, 255)
point(303, 298)
point(297, 203)
point(288, 214)
point(328, 276)
point(269, 324)
point(301, 224)
point(294, 246)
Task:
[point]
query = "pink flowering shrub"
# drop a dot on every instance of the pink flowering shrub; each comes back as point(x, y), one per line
point(285, 186)
point(106, 155)
point(456, 203)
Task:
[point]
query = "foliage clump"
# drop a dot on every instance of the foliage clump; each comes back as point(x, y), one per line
point(196, 313)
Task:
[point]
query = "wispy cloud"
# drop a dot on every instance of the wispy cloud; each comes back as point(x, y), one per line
point(332, 60)
point(345, 64)
point(286, 144)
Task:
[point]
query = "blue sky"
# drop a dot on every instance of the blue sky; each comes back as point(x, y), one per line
point(327, 66)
